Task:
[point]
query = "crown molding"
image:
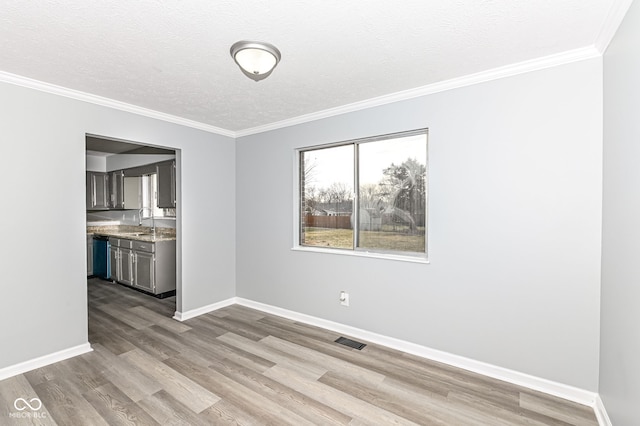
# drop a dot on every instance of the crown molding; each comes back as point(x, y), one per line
point(30, 83)
point(468, 80)
point(612, 22)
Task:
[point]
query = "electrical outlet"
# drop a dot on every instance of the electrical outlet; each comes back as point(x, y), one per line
point(344, 298)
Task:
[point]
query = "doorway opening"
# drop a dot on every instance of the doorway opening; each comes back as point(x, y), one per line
point(132, 215)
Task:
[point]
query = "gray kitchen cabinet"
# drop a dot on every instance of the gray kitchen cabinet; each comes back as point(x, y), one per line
point(148, 266)
point(145, 271)
point(97, 191)
point(89, 255)
point(121, 257)
point(113, 260)
point(166, 175)
point(125, 265)
point(116, 189)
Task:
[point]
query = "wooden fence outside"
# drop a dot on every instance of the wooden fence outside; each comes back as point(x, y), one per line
point(340, 222)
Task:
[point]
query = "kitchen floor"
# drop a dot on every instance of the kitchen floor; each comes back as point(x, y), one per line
point(242, 366)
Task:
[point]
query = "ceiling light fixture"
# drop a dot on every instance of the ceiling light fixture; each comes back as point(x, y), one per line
point(255, 59)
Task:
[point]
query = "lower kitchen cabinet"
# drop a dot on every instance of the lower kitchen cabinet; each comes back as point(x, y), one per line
point(148, 266)
point(145, 268)
point(89, 255)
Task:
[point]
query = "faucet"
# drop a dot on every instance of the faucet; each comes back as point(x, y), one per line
point(153, 219)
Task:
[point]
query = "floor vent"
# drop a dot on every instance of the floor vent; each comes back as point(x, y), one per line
point(350, 343)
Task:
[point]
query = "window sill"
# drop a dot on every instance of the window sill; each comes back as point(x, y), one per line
point(358, 253)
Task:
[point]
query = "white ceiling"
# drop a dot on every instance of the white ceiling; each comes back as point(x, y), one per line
point(172, 56)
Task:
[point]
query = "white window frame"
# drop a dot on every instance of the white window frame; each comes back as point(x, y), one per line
point(416, 257)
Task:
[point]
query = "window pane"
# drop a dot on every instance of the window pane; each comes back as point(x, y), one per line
point(326, 194)
point(393, 197)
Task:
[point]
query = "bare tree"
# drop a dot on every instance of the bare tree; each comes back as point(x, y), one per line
point(370, 196)
point(405, 189)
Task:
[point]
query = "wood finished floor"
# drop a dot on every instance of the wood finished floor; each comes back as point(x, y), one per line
point(241, 366)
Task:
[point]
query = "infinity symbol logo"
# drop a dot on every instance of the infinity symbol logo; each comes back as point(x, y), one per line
point(24, 404)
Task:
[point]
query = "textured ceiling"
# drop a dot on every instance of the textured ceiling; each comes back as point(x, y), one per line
point(173, 56)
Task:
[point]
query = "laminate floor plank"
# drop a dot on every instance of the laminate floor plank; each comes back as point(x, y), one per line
point(133, 382)
point(67, 406)
point(168, 411)
point(126, 316)
point(229, 390)
point(415, 407)
point(179, 386)
point(516, 416)
point(346, 403)
point(242, 366)
point(566, 411)
point(302, 405)
point(146, 341)
point(159, 319)
point(238, 327)
point(224, 412)
point(288, 360)
point(116, 407)
point(347, 370)
point(207, 345)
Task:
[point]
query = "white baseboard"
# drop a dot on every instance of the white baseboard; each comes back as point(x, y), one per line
point(183, 316)
point(45, 360)
point(536, 383)
point(601, 413)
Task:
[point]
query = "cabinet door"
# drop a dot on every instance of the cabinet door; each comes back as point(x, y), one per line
point(115, 270)
point(89, 255)
point(166, 184)
point(125, 264)
point(97, 190)
point(116, 190)
point(145, 268)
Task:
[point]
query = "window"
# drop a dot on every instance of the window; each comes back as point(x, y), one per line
point(368, 195)
point(150, 209)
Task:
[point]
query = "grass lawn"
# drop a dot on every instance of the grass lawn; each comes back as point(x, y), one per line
point(343, 238)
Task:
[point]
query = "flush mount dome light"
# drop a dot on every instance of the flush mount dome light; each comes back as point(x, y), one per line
point(256, 59)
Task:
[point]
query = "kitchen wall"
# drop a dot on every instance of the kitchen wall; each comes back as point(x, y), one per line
point(46, 311)
point(515, 188)
point(620, 348)
point(96, 163)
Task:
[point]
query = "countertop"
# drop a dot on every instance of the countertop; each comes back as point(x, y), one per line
point(137, 233)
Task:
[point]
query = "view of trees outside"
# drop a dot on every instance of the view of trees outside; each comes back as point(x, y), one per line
point(327, 188)
point(392, 195)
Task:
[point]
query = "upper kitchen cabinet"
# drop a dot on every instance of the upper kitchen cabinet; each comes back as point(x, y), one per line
point(97, 191)
point(166, 175)
point(116, 190)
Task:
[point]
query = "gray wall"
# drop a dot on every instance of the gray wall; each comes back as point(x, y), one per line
point(45, 311)
point(515, 179)
point(620, 332)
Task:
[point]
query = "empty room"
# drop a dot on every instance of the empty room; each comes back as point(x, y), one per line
point(320, 212)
